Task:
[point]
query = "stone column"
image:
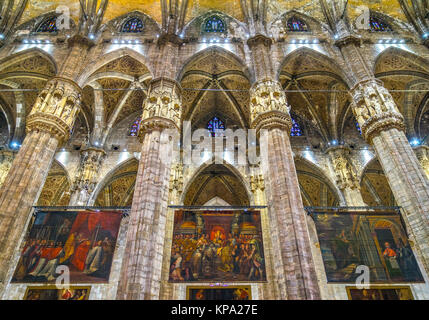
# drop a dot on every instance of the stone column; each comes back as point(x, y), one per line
point(295, 267)
point(87, 175)
point(422, 153)
point(383, 126)
point(345, 175)
point(48, 125)
point(142, 261)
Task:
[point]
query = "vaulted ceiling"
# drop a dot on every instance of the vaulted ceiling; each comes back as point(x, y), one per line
point(197, 7)
point(216, 181)
point(215, 82)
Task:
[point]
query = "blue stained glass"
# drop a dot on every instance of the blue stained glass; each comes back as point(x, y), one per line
point(294, 24)
point(214, 24)
point(133, 25)
point(377, 24)
point(134, 129)
point(49, 25)
point(296, 129)
point(215, 125)
point(358, 128)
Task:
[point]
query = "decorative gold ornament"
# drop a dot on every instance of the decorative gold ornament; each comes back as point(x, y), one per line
point(257, 182)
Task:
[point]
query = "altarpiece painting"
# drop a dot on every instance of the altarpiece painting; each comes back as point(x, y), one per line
point(218, 293)
point(211, 246)
point(376, 240)
point(53, 293)
point(82, 241)
point(380, 293)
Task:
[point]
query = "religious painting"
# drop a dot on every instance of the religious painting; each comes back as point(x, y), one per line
point(53, 293)
point(217, 246)
point(375, 240)
point(380, 293)
point(219, 293)
point(83, 243)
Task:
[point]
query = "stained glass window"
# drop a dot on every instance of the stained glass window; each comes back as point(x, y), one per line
point(133, 25)
point(294, 24)
point(358, 128)
point(134, 129)
point(377, 24)
point(215, 125)
point(49, 25)
point(296, 129)
point(214, 24)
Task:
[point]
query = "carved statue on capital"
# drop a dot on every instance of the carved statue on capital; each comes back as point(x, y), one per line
point(268, 104)
point(87, 175)
point(375, 109)
point(346, 176)
point(56, 108)
point(163, 103)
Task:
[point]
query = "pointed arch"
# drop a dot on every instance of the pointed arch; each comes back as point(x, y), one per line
point(103, 60)
point(126, 169)
point(307, 168)
point(375, 188)
point(56, 189)
point(199, 184)
point(221, 51)
point(420, 64)
point(26, 54)
point(335, 72)
point(215, 79)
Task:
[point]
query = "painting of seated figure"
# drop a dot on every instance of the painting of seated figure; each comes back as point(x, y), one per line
point(355, 242)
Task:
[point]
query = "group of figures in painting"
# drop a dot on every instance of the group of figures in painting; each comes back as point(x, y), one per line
point(217, 246)
point(84, 242)
point(348, 240)
point(229, 293)
point(74, 293)
point(392, 293)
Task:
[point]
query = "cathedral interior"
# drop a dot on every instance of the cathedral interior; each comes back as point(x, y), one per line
point(339, 88)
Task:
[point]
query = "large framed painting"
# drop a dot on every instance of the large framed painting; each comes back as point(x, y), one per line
point(380, 293)
point(374, 239)
point(219, 293)
point(53, 293)
point(217, 246)
point(84, 242)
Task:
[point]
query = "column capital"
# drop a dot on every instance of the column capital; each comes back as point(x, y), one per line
point(268, 106)
point(56, 108)
point(348, 39)
point(259, 39)
point(162, 107)
point(169, 38)
point(80, 40)
point(374, 108)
